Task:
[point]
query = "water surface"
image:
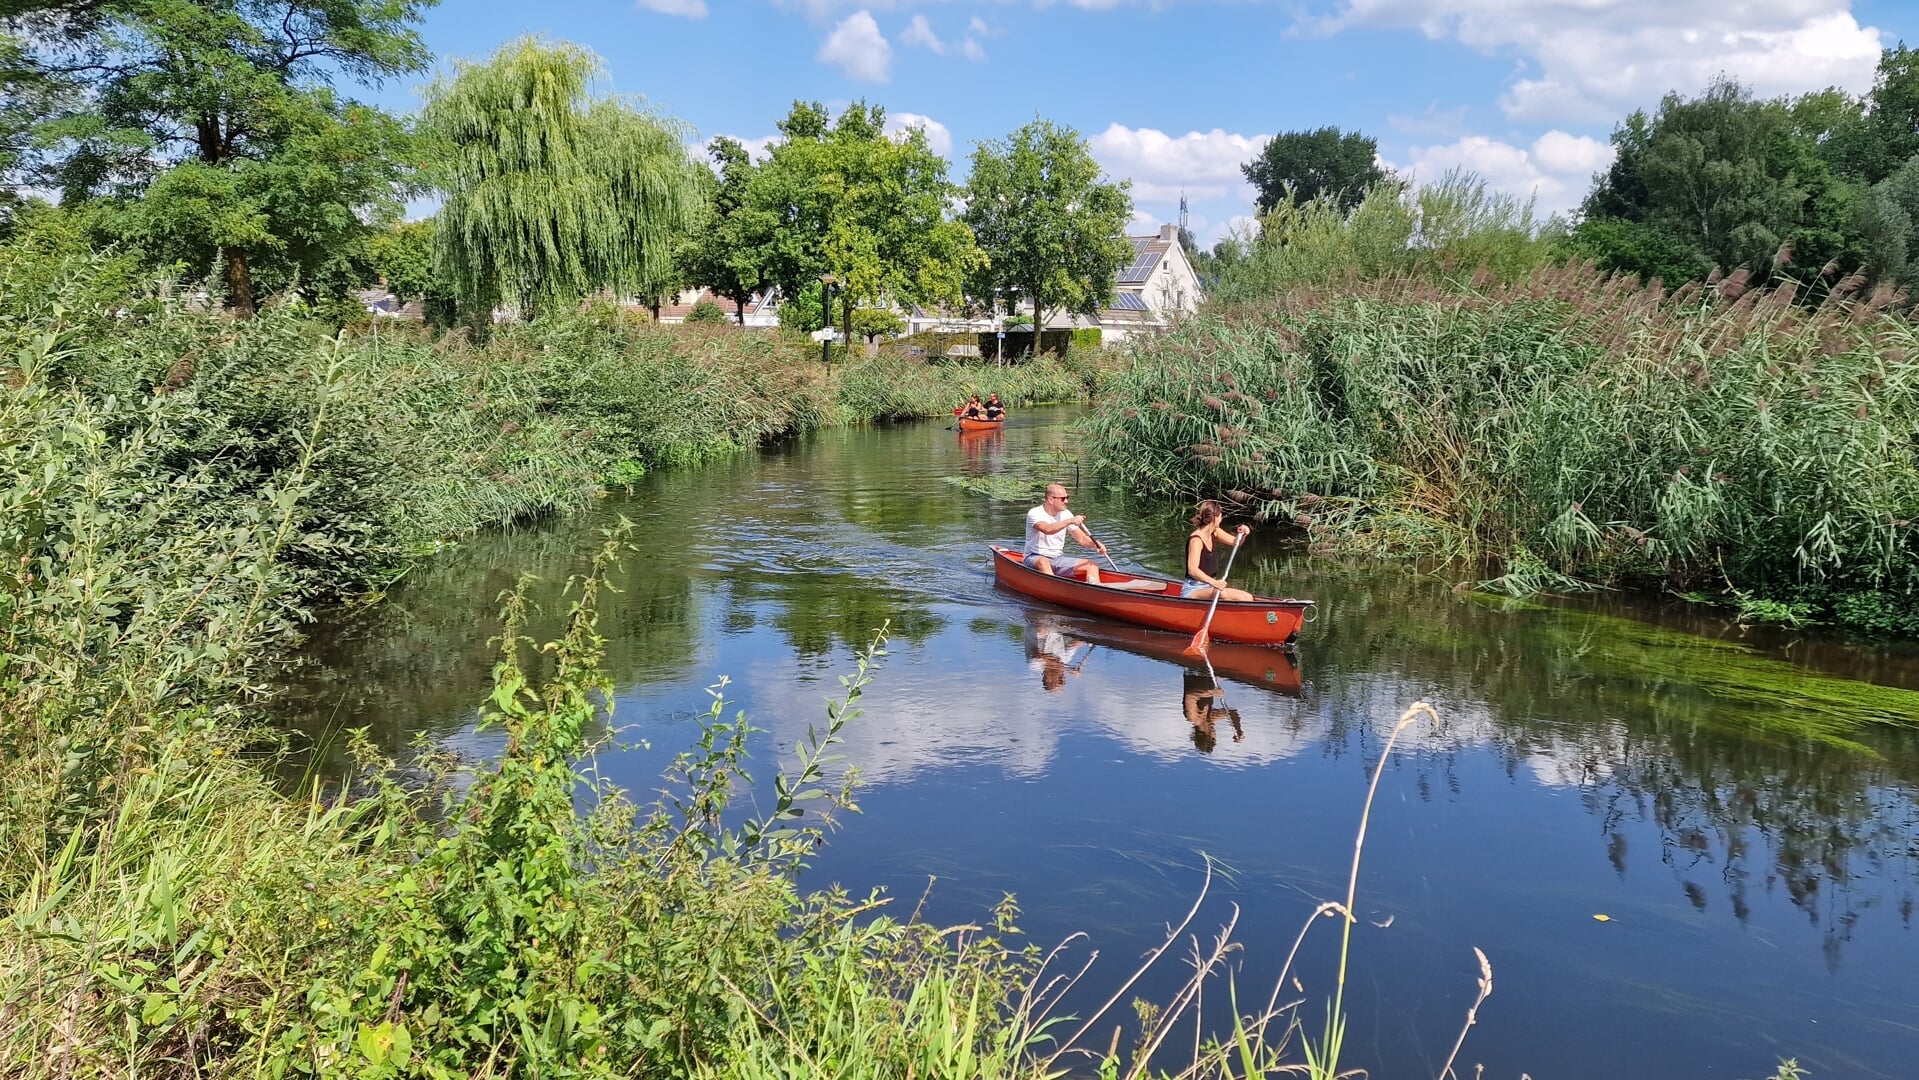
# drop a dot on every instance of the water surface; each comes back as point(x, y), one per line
point(1739, 805)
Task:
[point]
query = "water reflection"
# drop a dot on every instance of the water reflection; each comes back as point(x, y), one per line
point(1203, 703)
point(1051, 652)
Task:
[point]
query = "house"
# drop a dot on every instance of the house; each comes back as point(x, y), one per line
point(382, 304)
point(945, 321)
point(762, 308)
point(1150, 292)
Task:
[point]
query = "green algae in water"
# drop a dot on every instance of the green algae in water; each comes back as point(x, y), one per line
point(1733, 688)
point(999, 488)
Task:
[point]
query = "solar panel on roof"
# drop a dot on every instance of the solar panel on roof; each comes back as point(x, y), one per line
point(1127, 301)
point(1140, 269)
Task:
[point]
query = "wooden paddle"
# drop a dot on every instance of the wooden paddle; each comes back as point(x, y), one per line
point(1198, 645)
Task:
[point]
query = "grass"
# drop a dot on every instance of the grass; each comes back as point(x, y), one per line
point(1560, 431)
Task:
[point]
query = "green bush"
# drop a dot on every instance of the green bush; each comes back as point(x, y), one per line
point(706, 311)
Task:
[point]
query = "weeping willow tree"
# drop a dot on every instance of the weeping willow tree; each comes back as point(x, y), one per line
point(549, 192)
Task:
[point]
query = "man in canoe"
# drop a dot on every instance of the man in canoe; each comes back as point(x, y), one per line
point(994, 410)
point(1047, 526)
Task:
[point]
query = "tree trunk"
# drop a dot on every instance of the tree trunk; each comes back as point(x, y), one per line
point(239, 282)
point(739, 310)
point(1038, 317)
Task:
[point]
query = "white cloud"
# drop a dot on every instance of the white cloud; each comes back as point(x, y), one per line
point(977, 27)
point(757, 146)
point(937, 135)
point(920, 32)
point(1591, 60)
point(1554, 171)
point(690, 9)
point(1154, 159)
point(972, 50)
point(858, 49)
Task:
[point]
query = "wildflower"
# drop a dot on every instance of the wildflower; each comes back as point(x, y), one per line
point(323, 924)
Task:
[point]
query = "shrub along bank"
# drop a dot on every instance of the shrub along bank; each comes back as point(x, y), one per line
point(1567, 429)
point(174, 490)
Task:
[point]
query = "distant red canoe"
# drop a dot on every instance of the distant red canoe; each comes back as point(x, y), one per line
point(968, 423)
point(1259, 621)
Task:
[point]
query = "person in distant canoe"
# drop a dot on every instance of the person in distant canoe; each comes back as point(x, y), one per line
point(994, 410)
point(973, 410)
point(1203, 559)
point(1047, 526)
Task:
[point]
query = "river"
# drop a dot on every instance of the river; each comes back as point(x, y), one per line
point(1739, 806)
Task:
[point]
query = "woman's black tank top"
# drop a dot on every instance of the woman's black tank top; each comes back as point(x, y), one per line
point(1209, 559)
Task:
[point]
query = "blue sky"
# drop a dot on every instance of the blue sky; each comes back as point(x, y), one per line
point(1175, 94)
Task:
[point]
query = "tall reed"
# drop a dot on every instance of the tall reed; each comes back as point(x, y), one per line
point(1564, 428)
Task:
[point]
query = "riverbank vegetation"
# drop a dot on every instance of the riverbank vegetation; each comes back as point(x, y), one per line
point(1564, 430)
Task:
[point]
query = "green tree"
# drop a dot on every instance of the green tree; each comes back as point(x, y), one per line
point(549, 192)
point(1051, 225)
point(873, 324)
point(1725, 180)
point(1304, 165)
point(400, 257)
point(213, 129)
point(727, 252)
point(847, 200)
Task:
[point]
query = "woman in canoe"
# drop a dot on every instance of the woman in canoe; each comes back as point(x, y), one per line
point(1203, 559)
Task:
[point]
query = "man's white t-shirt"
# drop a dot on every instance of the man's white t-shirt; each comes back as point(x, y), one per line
point(1039, 543)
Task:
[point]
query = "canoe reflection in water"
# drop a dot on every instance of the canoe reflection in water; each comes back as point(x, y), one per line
point(1059, 643)
point(1203, 702)
point(1272, 669)
point(1051, 652)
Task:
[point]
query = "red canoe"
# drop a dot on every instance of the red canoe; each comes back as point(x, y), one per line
point(1259, 621)
point(969, 423)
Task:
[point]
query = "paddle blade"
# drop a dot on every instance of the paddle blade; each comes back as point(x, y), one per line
point(1197, 646)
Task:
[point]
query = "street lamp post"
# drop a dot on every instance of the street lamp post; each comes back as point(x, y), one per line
point(826, 319)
